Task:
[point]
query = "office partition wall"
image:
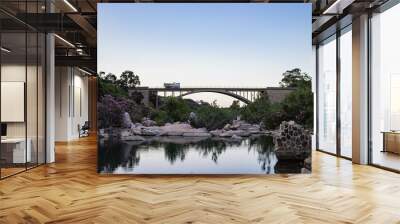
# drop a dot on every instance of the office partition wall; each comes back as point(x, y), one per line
point(345, 60)
point(385, 89)
point(22, 77)
point(327, 95)
point(334, 94)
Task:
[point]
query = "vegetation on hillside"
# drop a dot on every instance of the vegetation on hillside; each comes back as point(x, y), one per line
point(114, 100)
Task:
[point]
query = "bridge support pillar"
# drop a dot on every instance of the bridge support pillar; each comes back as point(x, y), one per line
point(156, 100)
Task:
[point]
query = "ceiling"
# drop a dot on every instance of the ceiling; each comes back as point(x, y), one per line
point(75, 21)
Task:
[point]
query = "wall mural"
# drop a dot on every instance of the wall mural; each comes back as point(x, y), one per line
point(204, 88)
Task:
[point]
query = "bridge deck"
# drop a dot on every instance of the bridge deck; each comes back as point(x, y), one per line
point(217, 88)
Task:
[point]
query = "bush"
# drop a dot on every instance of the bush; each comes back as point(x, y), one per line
point(111, 109)
point(110, 112)
point(160, 117)
point(256, 111)
point(299, 107)
point(176, 109)
point(213, 117)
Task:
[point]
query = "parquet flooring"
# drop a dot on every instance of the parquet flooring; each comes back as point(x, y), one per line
point(70, 191)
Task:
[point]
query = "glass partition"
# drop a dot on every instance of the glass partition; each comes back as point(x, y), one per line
point(385, 89)
point(327, 95)
point(13, 94)
point(22, 67)
point(346, 92)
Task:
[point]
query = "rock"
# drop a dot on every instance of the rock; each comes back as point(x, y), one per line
point(292, 142)
point(307, 163)
point(138, 125)
point(236, 137)
point(133, 138)
point(230, 133)
point(125, 133)
point(147, 122)
point(150, 131)
point(216, 132)
point(196, 134)
point(126, 120)
point(136, 130)
point(227, 127)
point(226, 134)
point(192, 118)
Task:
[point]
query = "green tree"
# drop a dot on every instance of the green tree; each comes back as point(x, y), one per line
point(128, 79)
point(213, 117)
point(235, 105)
point(110, 78)
point(107, 86)
point(173, 109)
point(295, 78)
point(255, 112)
point(299, 107)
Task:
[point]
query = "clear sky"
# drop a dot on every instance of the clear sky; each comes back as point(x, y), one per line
point(235, 45)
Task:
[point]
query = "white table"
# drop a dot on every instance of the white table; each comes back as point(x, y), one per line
point(18, 144)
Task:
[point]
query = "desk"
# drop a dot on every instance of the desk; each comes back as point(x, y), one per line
point(391, 141)
point(13, 150)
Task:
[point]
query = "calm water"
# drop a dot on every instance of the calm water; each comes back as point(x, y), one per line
point(177, 155)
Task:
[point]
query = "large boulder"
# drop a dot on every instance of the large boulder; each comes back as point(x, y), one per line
point(292, 142)
point(150, 131)
point(192, 118)
point(126, 120)
point(136, 130)
point(147, 122)
point(125, 132)
point(227, 127)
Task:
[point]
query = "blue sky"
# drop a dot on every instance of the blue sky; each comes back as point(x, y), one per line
point(247, 45)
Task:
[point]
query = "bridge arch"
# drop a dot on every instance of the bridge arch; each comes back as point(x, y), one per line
point(227, 93)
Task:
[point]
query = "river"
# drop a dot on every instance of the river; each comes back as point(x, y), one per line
point(178, 155)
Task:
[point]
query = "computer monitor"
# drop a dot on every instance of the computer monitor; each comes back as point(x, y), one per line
point(3, 129)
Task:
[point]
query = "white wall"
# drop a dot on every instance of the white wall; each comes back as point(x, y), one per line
point(71, 102)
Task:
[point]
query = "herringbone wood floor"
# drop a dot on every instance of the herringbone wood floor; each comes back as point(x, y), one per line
point(70, 191)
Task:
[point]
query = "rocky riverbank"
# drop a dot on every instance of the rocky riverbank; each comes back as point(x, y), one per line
point(138, 131)
point(291, 140)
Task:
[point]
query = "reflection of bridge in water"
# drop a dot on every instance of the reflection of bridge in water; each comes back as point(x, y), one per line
point(245, 95)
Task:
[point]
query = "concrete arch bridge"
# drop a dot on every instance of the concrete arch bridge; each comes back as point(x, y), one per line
point(245, 95)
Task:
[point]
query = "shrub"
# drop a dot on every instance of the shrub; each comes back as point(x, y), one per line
point(213, 117)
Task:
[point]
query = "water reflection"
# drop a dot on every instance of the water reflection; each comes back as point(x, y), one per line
point(191, 155)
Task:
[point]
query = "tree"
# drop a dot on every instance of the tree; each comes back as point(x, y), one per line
point(235, 105)
point(101, 75)
point(299, 106)
point(295, 78)
point(110, 78)
point(255, 112)
point(128, 79)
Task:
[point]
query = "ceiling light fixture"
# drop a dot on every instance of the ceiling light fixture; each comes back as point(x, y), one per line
point(70, 5)
point(64, 40)
point(5, 50)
